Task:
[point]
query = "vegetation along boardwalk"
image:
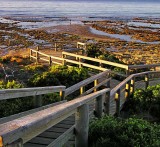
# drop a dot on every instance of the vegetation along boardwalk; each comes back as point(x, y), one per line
point(66, 122)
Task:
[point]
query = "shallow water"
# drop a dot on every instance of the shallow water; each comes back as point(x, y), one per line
point(121, 37)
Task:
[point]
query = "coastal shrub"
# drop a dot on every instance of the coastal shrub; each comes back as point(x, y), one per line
point(113, 132)
point(59, 75)
point(145, 101)
point(93, 51)
point(12, 106)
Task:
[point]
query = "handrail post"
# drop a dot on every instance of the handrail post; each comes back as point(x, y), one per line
point(37, 57)
point(132, 86)
point(37, 101)
point(18, 143)
point(30, 54)
point(50, 61)
point(82, 125)
point(99, 106)
point(117, 99)
point(127, 90)
point(82, 89)
point(62, 95)
point(95, 84)
point(55, 46)
point(107, 101)
point(63, 61)
point(146, 80)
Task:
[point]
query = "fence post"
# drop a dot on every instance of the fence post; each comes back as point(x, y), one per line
point(82, 125)
point(50, 61)
point(107, 103)
point(99, 106)
point(146, 80)
point(82, 89)
point(18, 143)
point(117, 99)
point(30, 54)
point(55, 46)
point(132, 86)
point(37, 101)
point(64, 61)
point(62, 95)
point(37, 57)
point(95, 84)
point(127, 90)
point(100, 64)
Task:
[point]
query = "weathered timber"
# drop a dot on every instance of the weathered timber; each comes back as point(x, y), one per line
point(24, 92)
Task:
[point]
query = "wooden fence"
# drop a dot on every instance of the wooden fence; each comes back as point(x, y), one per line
point(129, 84)
point(19, 131)
point(37, 92)
point(74, 59)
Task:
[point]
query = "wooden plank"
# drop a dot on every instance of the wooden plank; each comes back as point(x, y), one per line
point(61, 140)
point(41, 140)
point(24, 92)
point(33, 145)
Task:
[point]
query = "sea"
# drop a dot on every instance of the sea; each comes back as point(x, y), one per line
point(79, 9)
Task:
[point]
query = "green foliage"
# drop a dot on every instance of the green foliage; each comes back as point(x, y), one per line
point(93, 51)
point(10, 84)
point(13, 106)
point(145, 101)
point(51, 98)
point(111, 132)
point(35, 68)
point(59, 75)
point(109, 57)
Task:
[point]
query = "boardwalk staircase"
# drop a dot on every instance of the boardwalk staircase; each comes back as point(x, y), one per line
point(65, 123)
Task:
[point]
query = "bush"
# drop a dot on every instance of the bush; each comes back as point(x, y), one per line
point(93, 51)
point(145, 101)
point(59, 75)
point(111, 132)
point(12, 106)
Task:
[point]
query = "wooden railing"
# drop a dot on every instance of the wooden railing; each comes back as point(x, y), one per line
point(19, 131)
point(70, 58)
point(129, 84)
point(78, 59)
point(103, 76)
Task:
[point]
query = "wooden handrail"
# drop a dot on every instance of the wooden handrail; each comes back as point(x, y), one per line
point(64, 60)
point(119, 86)
point(143, 66)
point(24, 92)
point(83, 83)
point(97, 60)
point(27, 127)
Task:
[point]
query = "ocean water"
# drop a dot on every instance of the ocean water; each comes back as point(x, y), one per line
point(79, 9)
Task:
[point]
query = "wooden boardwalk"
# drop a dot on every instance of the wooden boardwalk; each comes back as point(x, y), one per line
point(113, 97)
point(47, 137)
